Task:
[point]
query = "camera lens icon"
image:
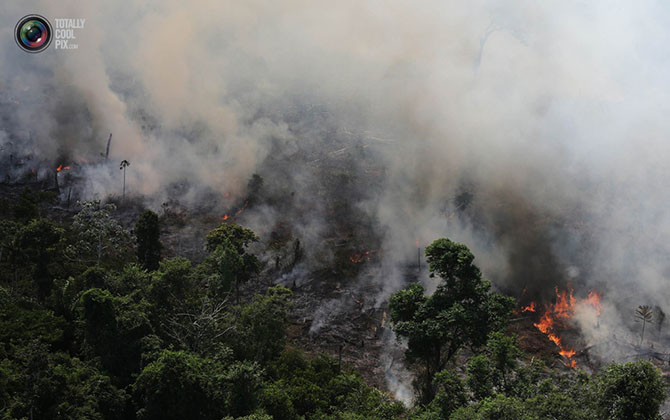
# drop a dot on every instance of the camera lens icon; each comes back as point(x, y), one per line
point(33, 33)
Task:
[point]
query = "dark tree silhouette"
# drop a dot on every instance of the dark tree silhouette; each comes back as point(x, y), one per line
point(123, 166)
point(147, 231)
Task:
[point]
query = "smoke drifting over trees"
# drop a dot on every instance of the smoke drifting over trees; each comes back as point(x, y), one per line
point(535, 133)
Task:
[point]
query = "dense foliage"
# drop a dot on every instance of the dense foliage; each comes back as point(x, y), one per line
point(461, 312)
point(94, 325)
point(147, 231)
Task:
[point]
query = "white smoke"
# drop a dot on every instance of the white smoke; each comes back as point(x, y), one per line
point(550, 115)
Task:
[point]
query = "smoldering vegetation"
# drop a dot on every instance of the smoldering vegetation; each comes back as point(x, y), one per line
point(533, 133)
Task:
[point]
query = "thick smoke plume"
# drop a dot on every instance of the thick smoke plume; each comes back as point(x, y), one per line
point(533, 132)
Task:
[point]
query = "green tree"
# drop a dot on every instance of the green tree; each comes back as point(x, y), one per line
point(243, 382)
point(503, 352)
point(450, 393)
point(557, 405)
point(318, 389)
point(236, 234)
point(260, 333)
point(228, 244)
point(147, 231)
point(230, 269)
point(37, 249)
point(38, 383)
point(22, 322)
point(97, 234)
point(480, 377)
point(181, 385)
point(462, 311)
point(114, 329)
point(630, 391)
point(100, 325)
point(502, 407)
point(173, 290)
point(26, 207)
point(277, 401)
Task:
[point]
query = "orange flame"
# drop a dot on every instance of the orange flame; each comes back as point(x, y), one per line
point(246, 203)
point(529, 308)
point(362, 256)
point(62, 168)
point(237, 213)
point(593, 299)
point(556, 316)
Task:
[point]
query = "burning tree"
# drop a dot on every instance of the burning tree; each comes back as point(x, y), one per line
point(643, 314)
point(462, 311)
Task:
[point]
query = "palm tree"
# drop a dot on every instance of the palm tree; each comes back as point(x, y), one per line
point(124, 165)
point(643, 314)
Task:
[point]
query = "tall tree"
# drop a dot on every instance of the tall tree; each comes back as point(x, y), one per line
point(124, 164)
point(147, 232)
point(97, 234)
point(462, 311)
point(229, 244)
point(231, 270)
point(643, 314)
point(36, 247)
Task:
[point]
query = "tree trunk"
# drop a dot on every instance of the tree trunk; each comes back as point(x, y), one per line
point(109, 141)
point(644, 322)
